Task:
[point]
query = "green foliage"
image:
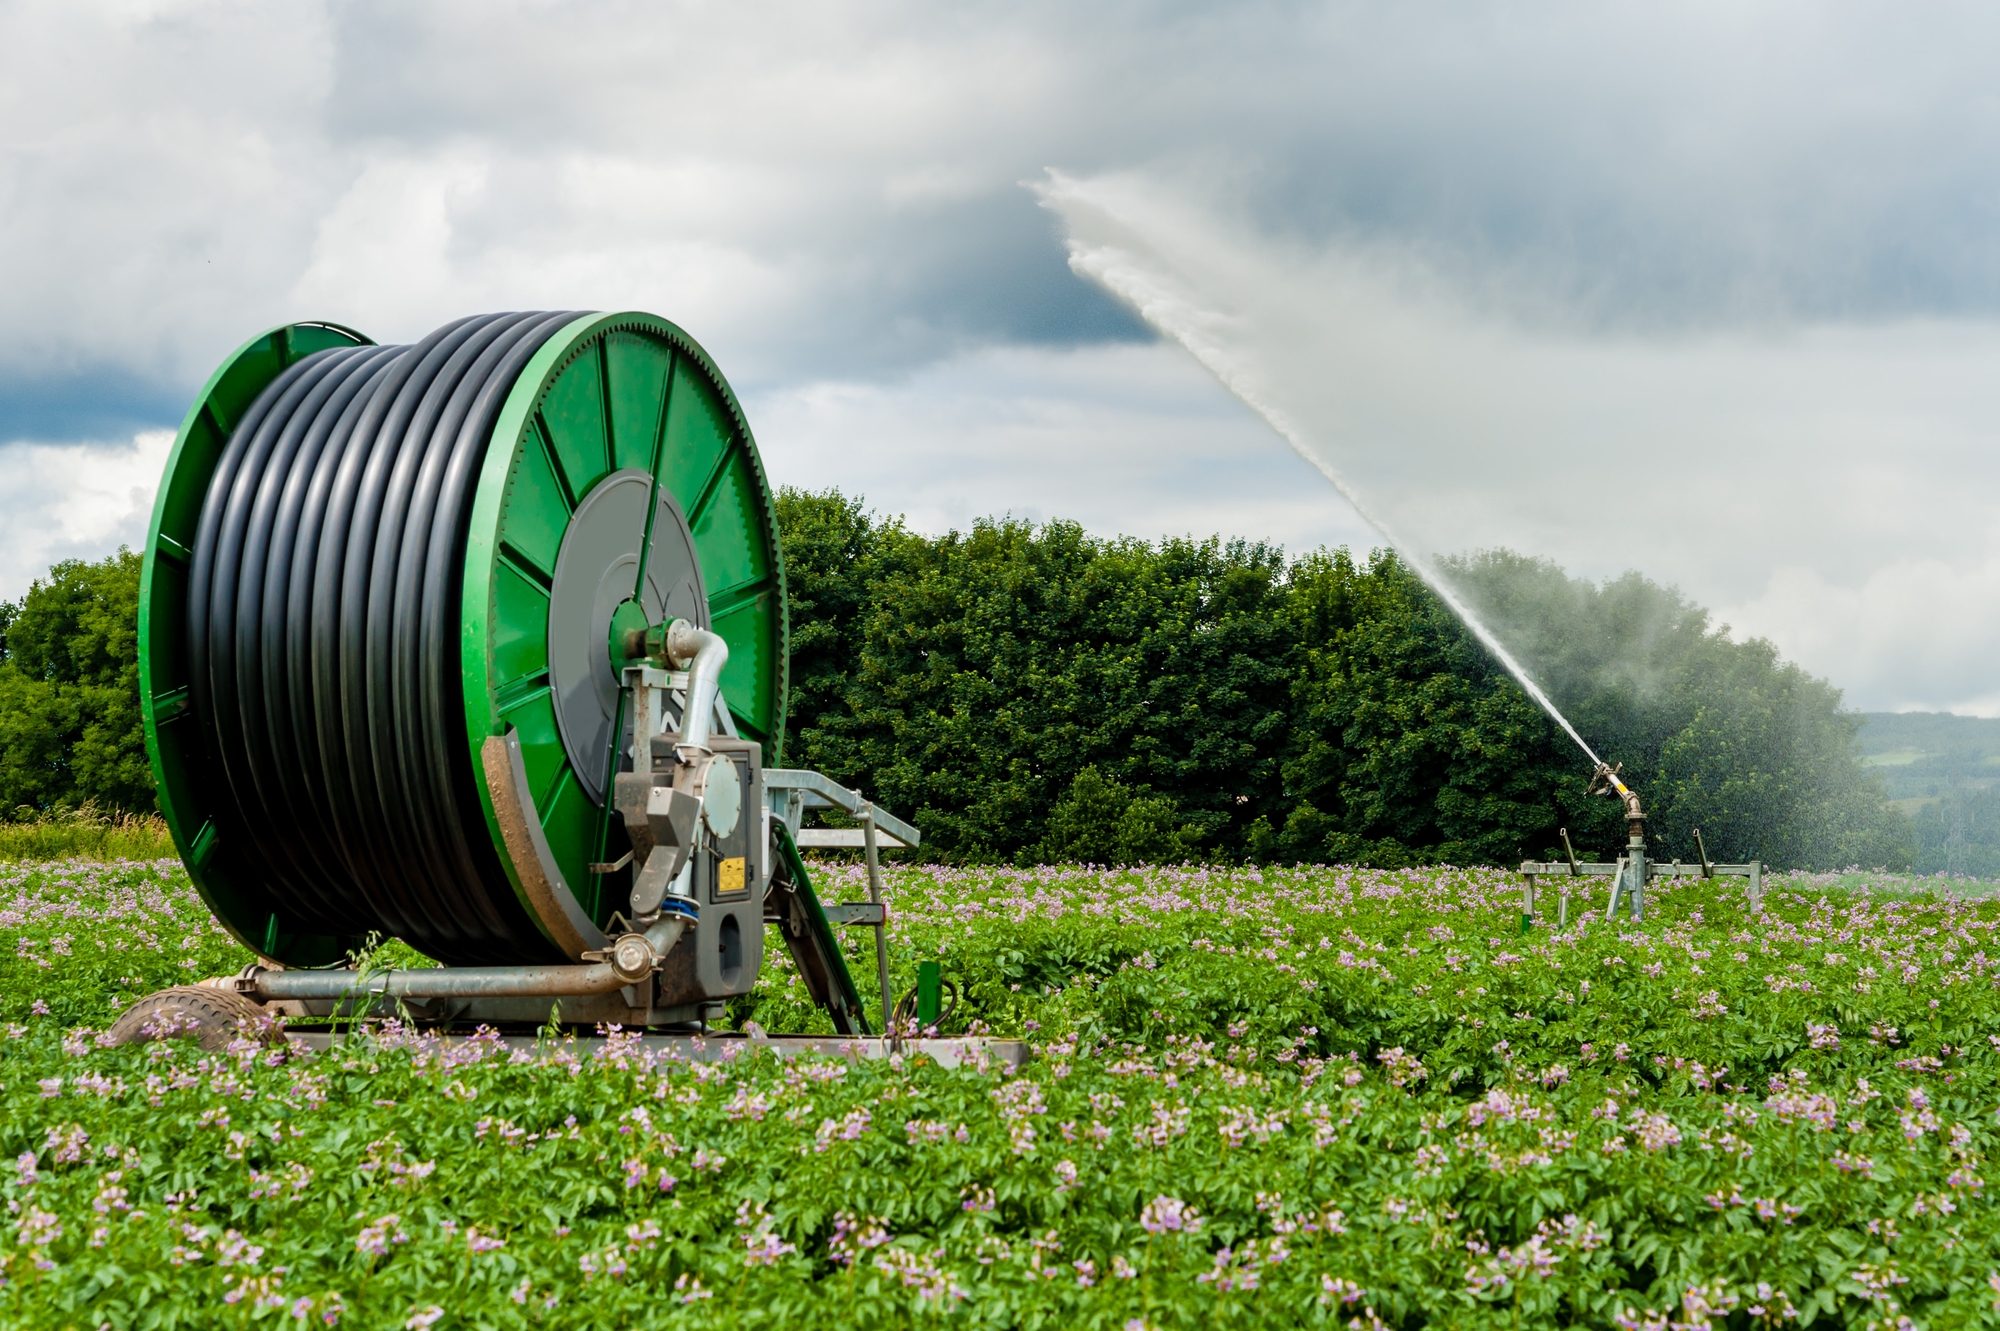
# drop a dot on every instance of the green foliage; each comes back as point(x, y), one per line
point(834, 552)
point(1319, 709)
point(1411, 743)
point(1976, 816)
point(1720, 735)
point(86, 833)
point(1942, 771)
point(1261, 1098)
point(84, 940)
point(1915, 751)
point(1231, 703)
point(993, 666)
point(1102, 821)
point(70, 728)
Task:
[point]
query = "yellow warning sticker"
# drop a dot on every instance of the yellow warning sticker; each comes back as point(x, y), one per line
point(730, 878)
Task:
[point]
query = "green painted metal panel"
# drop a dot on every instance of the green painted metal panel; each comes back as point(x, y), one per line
point(636, 369)
point(257, 364)
point(823, 940)
point(573, 410)
point(179, 502)
point(609, 390)
point(165, 595)
point(520, 639)
point(606, 391)
point(534, 723)
point(726, 535)
point(523, 689)
point(746, 675)
point(698, 430)
point(537, 506)
point(930, 993)
point(570, 822)
point(491, 612)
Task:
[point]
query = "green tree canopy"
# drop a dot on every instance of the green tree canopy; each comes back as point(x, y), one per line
point(990, 668)
point(70, 730)
point(1720, 735)
point(1021, 691)
point(1033, 692)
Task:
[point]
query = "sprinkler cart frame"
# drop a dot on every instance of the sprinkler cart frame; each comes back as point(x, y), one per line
point(1630, 872)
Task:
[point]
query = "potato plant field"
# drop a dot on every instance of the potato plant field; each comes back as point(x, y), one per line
point(1305, 1097)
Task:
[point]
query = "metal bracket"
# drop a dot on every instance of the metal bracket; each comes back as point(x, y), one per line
point(793, 790)
point(857, 912)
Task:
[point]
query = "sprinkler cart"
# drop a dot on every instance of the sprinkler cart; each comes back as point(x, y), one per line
point(1631, 872)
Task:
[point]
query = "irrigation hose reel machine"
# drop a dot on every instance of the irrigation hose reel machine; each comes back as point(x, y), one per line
point(481, 643)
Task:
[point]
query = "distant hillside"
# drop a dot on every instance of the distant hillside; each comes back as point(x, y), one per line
point(1943, 772)
point(1918, 752)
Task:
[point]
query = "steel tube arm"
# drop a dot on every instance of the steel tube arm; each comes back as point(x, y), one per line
point(823, 792)
point(444, 982)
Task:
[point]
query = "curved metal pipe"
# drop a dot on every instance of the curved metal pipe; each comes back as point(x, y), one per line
point(641, 953)
point(444, 982)
point(702, 654)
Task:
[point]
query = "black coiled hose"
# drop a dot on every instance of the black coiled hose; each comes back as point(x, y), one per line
point(323, 625)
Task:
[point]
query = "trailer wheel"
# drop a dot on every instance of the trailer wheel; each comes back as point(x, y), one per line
point(213, 1017)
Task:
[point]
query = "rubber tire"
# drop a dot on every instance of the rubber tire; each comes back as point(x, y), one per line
point(214, 1017)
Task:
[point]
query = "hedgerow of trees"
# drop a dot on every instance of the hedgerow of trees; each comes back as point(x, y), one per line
point(1034, 693)
point(69, 692)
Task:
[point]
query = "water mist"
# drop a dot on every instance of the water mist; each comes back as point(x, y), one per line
point(1197, 329)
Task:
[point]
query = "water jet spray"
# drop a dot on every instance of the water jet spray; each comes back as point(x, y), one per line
point(1199, 330)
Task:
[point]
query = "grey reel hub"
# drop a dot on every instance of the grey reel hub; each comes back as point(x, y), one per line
point(595, 569)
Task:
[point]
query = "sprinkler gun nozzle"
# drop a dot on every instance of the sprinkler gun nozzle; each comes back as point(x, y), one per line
point(1606, 780)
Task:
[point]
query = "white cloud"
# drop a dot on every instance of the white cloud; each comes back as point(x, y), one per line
point(74, 501)
point(1134, 440)
point(829, 189)
point(1836, 487)
point(1730, 267)
point(1921, 633)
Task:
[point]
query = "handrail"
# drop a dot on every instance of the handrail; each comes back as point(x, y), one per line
point(823, 792)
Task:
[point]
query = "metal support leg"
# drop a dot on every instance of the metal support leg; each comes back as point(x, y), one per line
point(1756, 887)
point(881, 934)
point(1527, 902)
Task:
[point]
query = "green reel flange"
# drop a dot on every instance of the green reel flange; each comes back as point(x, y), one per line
point(618, 486)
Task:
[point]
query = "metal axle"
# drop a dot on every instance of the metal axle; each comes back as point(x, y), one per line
point(631, 959)
point(445, 982)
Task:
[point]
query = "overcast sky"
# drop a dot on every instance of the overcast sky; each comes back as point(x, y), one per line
point(1710, 291)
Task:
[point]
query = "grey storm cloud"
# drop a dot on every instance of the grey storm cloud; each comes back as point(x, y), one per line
point(837, 186)
point(1519, 223)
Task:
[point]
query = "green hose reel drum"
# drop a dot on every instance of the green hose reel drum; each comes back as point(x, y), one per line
point(379, 580)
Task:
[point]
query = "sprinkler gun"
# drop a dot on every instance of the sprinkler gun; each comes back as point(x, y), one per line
point(1608, 780)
